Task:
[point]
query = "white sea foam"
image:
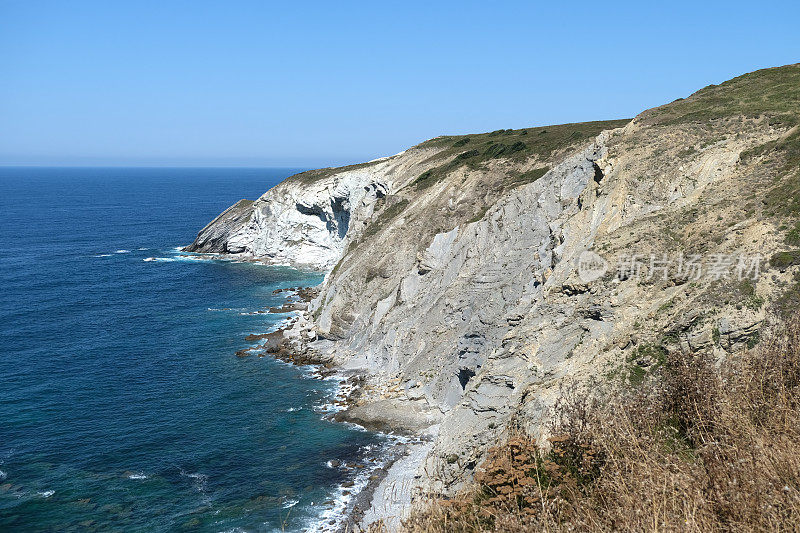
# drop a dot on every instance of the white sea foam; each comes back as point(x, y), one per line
point(122, 252)
point(46, 493)
point(168, 259)
point(180, 258)
point(3, 475)
point(200, 480)
point(293, 409)
point(331, 519)
point(138, 475)
point(103, 255)
point(288, 504)
point(325, 408)
point(192, 258)
point(181, 255)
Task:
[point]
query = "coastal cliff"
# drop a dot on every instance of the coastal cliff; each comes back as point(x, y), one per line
point(454, 284)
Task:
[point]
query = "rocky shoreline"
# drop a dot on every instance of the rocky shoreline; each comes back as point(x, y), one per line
point(404, 442)
point(387, 496)
point(276, 343)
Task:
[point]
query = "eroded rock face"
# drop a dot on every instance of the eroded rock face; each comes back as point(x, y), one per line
point(214, 237)
point(302, 226)
point(450, 309)
point(490, 319)
point(304, 223)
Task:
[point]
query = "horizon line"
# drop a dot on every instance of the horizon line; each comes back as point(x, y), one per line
point(287, 167)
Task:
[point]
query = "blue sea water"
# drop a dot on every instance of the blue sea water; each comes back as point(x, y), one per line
point(122, 404)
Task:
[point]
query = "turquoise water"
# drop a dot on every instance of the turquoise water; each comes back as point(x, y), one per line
point(122, 404)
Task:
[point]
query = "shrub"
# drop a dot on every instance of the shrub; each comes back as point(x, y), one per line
point(793, 236)
point(783, 260)
point(704, 447)
point(466, 155)
point(424, 180)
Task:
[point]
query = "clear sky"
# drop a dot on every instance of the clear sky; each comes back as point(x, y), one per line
point(258, 83)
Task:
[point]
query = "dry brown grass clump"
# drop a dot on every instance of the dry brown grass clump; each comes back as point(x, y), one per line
point(700, 447)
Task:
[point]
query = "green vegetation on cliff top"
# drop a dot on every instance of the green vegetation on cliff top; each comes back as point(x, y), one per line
point(476, 150)
point(772, 92)
point(540, 141)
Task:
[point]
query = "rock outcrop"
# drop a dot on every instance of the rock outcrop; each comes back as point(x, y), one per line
point(307, 220)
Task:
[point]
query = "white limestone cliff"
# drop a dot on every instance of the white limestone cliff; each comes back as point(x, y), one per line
point(305, 221)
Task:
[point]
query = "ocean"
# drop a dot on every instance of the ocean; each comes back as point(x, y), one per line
point(122, 404)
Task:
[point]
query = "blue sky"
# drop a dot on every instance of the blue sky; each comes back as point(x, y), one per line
point(257, 83)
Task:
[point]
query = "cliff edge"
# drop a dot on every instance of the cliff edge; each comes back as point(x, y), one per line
point(471, 278)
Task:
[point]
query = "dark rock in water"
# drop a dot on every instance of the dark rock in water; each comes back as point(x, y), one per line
point(306, 294)
point(277, 345)
point(272, 340)
point(289, 307)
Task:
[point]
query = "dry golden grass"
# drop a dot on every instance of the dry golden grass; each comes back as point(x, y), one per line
point(700, 447)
